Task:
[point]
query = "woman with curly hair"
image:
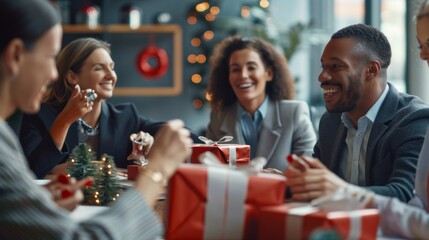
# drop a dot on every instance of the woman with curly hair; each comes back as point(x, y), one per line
point(251, 90)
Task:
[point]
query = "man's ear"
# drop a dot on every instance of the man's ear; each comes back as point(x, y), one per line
point(14, 56)
point(373, 69)
point(71, 77)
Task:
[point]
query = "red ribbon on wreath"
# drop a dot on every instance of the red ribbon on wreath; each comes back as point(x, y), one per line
point(155, 54)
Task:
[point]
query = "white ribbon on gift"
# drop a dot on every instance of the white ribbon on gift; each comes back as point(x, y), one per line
point(295, 221)
point(232, 159)
point(226, 195)
point(355, 223)
point(210, 142)
point(255, 165)
point(225, 212)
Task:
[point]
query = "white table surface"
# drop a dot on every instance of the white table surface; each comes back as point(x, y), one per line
point(83, 212)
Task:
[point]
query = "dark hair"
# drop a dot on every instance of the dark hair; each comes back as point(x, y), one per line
point(72, 57)
point(17, 20)
point(374, 43)
point(219, 89)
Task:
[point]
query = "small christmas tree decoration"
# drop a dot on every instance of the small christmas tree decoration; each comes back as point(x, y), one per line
point(106, 181)
point(80, 166)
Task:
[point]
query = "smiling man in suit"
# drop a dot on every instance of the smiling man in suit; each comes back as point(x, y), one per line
point(371, 134)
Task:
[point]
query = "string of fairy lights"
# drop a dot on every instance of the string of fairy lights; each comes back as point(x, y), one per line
point(110, 171)
point(106, 185)
point(206, 12)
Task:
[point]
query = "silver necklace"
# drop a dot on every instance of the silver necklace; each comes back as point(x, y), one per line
point(85, 128)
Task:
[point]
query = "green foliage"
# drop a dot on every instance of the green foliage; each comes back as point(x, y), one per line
point(290, 40)
point(106, 181)
point(80, 166)
point(83, 164)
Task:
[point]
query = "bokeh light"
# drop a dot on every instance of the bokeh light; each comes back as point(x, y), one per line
point(245, 12)
point(196, 78)
point(196, 42)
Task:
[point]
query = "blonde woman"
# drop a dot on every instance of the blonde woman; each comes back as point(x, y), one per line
point(76, 110)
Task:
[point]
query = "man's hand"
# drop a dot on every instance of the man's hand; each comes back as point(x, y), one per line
point(308, 178)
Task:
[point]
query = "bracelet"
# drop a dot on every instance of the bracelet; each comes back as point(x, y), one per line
point(155, 176)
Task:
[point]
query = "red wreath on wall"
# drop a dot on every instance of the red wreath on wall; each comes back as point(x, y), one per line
point(154, 54)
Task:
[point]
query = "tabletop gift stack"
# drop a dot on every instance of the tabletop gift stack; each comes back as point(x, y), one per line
point(207, 202)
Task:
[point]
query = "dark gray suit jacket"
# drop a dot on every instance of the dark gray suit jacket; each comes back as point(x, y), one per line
point(286, 129)
point(393, 148)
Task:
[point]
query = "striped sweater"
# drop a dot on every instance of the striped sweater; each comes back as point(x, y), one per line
point(28, 212)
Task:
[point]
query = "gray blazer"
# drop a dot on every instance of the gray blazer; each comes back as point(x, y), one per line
point(286, 129)
point(393, 146)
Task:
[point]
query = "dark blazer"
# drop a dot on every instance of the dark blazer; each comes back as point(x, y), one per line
point(286, 129)
point(393, 147)
point(116, 124)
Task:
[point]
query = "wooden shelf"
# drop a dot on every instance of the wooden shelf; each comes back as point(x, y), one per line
point(176, 61)
point(82, 29)
point(122, 28)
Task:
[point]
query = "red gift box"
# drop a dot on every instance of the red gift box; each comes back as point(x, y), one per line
point(133, 171)
point(218, 203)
point(290, 221)
point(232, 154)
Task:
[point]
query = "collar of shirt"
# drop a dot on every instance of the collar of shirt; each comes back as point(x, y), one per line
point(371, 114)
point(352, 168)
point(250, 127)
point(260, 113)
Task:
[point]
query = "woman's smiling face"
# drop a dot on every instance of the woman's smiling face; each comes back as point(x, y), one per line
point(248, 76)
point(98, 73)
